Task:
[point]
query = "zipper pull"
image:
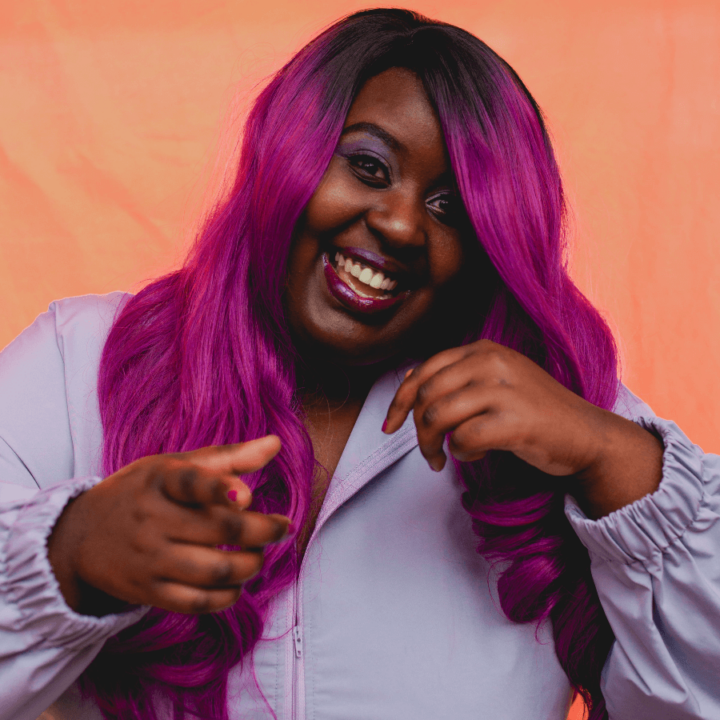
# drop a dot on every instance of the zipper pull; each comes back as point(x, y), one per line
point(297, 638)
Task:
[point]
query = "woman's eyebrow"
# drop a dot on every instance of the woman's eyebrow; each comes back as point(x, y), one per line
point(377, 131)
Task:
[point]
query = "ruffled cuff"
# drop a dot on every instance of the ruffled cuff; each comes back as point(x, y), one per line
point(645, 528)
point(35, 606)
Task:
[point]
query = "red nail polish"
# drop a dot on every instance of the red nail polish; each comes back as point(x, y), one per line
point(384, 425)
point(232, 495)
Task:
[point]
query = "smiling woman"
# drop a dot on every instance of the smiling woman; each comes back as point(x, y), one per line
point(384, 286)
point(387, 203)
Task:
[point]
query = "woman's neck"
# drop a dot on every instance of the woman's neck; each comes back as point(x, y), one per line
point(330, 386)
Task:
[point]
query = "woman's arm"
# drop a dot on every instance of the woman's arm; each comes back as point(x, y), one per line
point(78, 550)
point(656, 567)
point(654, 551)
point(44, 645)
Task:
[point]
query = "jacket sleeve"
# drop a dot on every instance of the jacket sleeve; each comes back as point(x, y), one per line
point(656, 566)
point(44, 645)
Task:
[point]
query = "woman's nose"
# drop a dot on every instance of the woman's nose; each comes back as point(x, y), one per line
point(398, 217)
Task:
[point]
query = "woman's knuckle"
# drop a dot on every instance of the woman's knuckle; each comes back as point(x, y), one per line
point(424, 391)
point(140, 512)
point(222, 573)
point(216, 489)
point(458, 441)
point(187, 477)
point(152, 473)
point(496, 368)
point(200, 603)
point(232, 529)
point(144, 541)
point(488, 345)
point(430, 415)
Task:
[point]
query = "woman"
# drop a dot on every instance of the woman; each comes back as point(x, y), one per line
point(386, 273)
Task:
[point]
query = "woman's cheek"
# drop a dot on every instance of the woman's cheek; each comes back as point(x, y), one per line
point(337, 200)
point(446, 259)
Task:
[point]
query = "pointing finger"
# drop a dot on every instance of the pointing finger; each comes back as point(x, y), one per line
point(222, 460)
point(239, 458)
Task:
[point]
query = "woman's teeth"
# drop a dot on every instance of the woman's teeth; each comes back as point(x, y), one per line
point(367, 276)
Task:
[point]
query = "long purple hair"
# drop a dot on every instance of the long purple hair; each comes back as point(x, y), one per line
point(203, 355)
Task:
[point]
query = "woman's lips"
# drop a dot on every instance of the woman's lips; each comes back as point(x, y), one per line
point(370, 258)
point(342, 292)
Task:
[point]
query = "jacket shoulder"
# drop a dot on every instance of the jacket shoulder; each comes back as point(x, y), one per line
point(88, 315)
point(49, 415)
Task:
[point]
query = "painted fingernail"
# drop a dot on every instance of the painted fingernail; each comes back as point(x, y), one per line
point(232, 495)
point(408, 373)
point(384, 427)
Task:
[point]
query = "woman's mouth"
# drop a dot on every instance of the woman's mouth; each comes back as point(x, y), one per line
point(358, 286)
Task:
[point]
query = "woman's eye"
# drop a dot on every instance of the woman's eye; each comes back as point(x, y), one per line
point(370, 168)
point(446, 207)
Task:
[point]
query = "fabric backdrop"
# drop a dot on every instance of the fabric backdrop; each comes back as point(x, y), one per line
point(112, 113)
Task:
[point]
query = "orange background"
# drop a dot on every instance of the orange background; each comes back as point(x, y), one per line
point(110, 117)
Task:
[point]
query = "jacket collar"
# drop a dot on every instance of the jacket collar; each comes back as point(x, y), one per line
point(369, 450)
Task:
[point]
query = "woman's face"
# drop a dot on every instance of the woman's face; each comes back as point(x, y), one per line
point(379, 242)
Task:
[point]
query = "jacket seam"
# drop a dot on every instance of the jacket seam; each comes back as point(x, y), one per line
point(71, 412)
point(22, 462)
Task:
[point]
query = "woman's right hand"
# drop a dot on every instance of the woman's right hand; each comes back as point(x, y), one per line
point(148, 534)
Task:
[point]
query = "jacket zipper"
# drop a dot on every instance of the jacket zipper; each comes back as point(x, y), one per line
point(297, 639)
point(298, 676)
point(295, 655)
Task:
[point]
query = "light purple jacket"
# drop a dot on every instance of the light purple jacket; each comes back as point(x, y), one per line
point(394, 614)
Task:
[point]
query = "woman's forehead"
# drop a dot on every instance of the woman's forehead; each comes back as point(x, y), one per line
point(395, 101)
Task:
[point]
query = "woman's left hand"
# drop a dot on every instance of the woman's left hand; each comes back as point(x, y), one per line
point(485, 396)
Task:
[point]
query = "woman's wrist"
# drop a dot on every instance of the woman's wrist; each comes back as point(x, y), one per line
point(63, 546)
point(627, 466)
point(61, 553)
